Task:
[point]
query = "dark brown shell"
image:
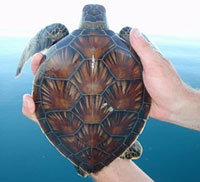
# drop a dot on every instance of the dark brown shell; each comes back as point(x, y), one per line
point(90, 99)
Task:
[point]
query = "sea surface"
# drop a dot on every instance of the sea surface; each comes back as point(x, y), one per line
point(171, 153)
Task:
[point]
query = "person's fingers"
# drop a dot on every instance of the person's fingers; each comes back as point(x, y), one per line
point(140, 44)
point(28, 108)
point(150, 56)
point(37, 60)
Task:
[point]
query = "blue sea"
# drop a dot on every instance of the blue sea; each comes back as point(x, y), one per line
point(171, 153)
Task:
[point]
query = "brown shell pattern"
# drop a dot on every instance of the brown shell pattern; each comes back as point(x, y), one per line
point(90, 98)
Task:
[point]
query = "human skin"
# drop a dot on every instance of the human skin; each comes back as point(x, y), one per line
point(172, 101)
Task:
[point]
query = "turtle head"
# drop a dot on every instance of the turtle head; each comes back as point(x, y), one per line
point(94, 17)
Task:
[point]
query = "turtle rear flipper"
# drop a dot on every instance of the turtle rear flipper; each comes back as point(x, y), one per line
point(81, 172)
point(133, 152)
point(42, 40)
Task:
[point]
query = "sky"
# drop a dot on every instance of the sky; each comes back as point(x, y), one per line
point(171, 17)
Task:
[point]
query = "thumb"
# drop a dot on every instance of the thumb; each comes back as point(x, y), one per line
point(147, 52)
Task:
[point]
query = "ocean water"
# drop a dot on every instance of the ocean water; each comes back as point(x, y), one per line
point(171, 153)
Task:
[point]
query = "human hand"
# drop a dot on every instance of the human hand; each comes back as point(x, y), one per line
point(172, 100)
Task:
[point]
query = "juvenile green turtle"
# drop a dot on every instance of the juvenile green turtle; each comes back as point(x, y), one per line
point(90, 98)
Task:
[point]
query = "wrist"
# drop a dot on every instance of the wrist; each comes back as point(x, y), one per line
point(188, 112)
point(121, 170)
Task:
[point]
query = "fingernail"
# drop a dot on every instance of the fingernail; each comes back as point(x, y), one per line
point(34, 55)
point(25, 103)
point(137, 33)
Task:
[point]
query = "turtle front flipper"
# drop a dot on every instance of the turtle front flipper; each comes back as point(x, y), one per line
point(133, 152)
point(42, 40)
point(125, 33)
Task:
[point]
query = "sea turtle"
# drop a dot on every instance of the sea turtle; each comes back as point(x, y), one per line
point(90, 99)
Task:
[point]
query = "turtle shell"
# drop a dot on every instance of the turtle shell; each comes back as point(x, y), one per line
point(90, 99)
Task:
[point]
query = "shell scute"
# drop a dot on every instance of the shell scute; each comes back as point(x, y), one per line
point(93, 45)
point(92, 32)
point(63, 123)
point(119, 123)
point(64, 42)
point(92, 134)
point(45, 126)
point(120, 150)
point(130, 138)
point(143, 113)
point(92, 168)
point(92, 109)
point(125, 95)
point(53, 139)
point(111, 144)
point(123, 65)
point(39, 110)
point(64, 150)
point(92, 77)
point(63, 63)
point(58, 94)
point(73, 144)
point(109, 33)
point(92, 156)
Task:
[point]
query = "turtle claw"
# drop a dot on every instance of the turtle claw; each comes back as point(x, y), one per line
point(42, 40)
